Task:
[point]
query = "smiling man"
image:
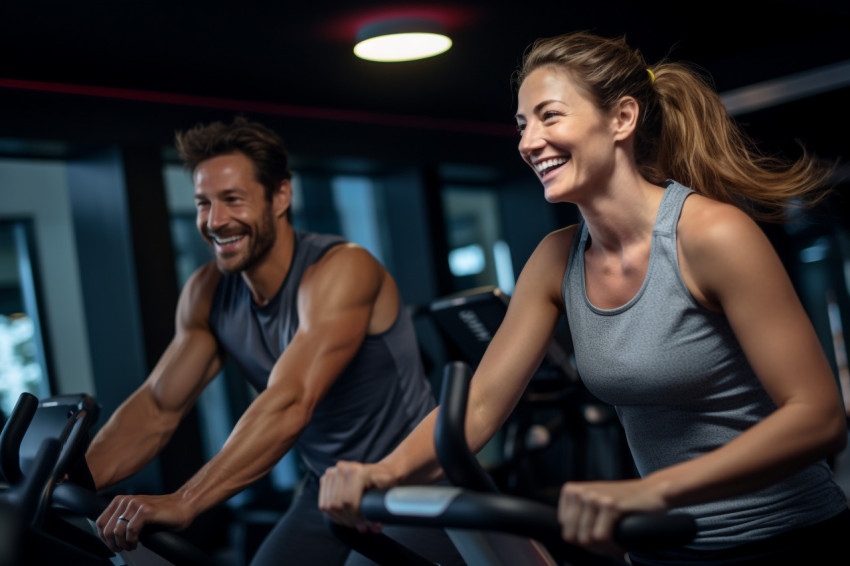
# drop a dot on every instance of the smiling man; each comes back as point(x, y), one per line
point(318, 328)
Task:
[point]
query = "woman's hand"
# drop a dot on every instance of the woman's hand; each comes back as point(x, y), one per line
point(589, 511)
point(341, 488)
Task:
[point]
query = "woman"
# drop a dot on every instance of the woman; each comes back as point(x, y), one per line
point(681, 313)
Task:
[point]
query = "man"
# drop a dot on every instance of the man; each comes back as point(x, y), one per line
point(316, 324)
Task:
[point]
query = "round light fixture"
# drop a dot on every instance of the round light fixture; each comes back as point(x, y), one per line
point(404, 39)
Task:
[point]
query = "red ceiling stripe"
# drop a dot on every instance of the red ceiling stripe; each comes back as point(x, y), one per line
point(262, 107)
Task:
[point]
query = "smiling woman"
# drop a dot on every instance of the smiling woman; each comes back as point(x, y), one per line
point(681, 314)
point(564, 136)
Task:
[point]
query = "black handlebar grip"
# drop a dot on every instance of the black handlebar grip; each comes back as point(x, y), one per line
point(459, 463)
point(162, 542)
point(649, 531)
point(33, 491)
point(12, 436)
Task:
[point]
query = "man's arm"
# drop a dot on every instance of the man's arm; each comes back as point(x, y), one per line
point(336, 305)
point(144, 423)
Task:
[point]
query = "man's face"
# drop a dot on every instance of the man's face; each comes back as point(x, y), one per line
point(233, 214)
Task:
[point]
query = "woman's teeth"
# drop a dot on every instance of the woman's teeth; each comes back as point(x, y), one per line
point(547, 165)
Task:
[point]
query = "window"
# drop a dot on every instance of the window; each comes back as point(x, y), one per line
point(358, 213)
point(22, 359)
point(478, 254)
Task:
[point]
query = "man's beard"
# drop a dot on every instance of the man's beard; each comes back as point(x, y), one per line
point(262, 237)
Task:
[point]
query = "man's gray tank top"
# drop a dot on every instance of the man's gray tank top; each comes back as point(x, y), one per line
point(682, 387)
point(376, 401)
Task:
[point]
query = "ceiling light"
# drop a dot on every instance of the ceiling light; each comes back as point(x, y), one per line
point(403, 39)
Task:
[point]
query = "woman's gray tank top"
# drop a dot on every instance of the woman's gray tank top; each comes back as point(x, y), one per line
point(682, 387)
point(376, 401)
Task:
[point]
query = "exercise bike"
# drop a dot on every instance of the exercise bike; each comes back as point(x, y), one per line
point(489, 528)
point(48, 498)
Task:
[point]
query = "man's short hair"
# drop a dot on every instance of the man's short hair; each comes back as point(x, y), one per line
point(264, 147)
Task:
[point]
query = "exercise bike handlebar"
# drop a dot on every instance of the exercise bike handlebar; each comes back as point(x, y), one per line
point(31, 494)
point(488, 509)
point(455, 507)
point(12, 436)
point(459, 464)
point(163, 542)
point(474, 503)
point(37, 489)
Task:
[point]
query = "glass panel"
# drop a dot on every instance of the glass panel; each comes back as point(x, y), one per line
point(356, 207)
point(478, 255)
point(818, 245)
point(22, 363)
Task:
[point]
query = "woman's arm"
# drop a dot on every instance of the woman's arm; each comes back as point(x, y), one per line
point(511, 359)
point(731, 262)
point(730, 266)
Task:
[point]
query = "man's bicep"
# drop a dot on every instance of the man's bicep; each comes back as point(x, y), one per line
point(319, 354)
point(337, 302)
point(329, 336)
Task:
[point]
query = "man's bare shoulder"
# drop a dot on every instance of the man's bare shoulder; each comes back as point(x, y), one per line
point(344, 260)
point(347, 252)
point(346, 274)
point(204, 279)
point(197, 294)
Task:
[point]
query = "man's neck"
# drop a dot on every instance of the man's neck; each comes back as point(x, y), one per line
point(266, 278)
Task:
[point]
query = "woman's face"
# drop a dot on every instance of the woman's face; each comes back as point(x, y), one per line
point(566, 139)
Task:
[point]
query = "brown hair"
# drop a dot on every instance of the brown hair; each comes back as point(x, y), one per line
point(684, 131)
point(264, 147)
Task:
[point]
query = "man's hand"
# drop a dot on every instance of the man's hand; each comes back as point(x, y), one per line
point(123, 520)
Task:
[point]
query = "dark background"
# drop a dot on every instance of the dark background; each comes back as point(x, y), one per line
point(103, 85)
point(134, 71)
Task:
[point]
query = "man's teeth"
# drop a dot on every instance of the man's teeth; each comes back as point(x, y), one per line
point(225, 241)
point(544, 166)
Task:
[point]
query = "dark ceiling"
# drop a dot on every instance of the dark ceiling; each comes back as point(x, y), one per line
point(134, 71)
